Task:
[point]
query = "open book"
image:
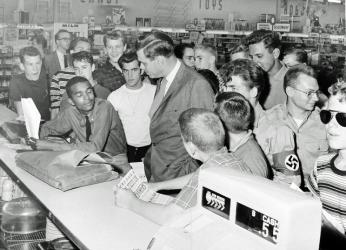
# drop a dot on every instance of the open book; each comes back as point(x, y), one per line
point(140, 188)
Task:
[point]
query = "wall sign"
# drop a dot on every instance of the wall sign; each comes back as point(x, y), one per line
point(210, 4)
point(264, 26)
point(281, 27)
point(101, 2)
point(77, 29)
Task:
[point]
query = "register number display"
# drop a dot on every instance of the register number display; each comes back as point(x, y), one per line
point(257, 223)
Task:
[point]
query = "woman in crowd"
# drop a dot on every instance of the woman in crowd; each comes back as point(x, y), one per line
point(328, 178)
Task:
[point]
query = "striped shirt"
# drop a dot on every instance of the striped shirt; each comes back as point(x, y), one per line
point(329, 184)
point(188, 195)
point(57, 86)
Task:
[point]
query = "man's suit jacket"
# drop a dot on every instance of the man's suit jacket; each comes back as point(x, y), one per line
point(167, 157)
point(52, 63)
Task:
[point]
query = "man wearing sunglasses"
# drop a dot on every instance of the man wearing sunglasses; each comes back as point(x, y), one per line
point(328, 178)
point(292, 134)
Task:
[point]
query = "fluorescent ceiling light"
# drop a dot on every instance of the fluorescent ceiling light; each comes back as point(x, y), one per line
point(334, 1)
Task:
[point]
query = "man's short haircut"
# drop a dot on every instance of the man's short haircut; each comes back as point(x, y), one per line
point(239, 48)
point(83, 56)
point(114, 35)
point(179, 50)
point(301, 55)
point(75, 41)
point(211, 78)
point(235, 111)
point(339, 89)
point(290, 79)
point(249, 71)
point(270, 39)
point(203, 128)
point(156, 43)
point(28, 51)
point(207, 48)
point(127, 57)
point(40, 39)
point(71, 82)
point(57, 35)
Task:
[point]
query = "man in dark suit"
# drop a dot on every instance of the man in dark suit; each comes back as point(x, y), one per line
point(179, 89)
point(59, 59)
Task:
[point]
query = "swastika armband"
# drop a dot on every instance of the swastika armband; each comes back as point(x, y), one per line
point(286, 162)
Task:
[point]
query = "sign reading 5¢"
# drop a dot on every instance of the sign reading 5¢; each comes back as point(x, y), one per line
point(210, 4)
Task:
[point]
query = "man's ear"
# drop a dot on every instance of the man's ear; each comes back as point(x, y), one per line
point(160, 60)
point(70, 101)
point(93, 67)
point(212, 60)
point(21, 66)
point(125, 47)
point(276, 53)
point(254, 92)
point(289, 91)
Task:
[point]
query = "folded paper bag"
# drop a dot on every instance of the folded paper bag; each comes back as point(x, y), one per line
point(63, 169)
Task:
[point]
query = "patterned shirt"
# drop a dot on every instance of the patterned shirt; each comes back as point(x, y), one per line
point(188, 195)
point(329, 184)
point(57, 87)
point(108, 76)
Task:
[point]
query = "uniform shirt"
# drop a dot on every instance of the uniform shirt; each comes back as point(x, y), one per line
point(277, 94)
point(107, 132)
point(133, 106)
point(251, 153)
point(58, 87)
point(187, 197)
point(21, 87)
point(329, 184)
point(278, 133)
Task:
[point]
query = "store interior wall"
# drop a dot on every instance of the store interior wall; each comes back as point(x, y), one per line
point(170, 13)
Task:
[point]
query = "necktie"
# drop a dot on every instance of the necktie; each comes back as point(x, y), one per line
point(87, 128)
point(65, 61)
point(160, 93)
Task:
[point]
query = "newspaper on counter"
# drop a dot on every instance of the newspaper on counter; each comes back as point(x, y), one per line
point(140, 188)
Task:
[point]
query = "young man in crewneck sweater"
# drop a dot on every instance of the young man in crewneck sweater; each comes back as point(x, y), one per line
point(133, 101)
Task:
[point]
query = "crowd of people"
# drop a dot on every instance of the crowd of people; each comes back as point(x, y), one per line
point(174, 109)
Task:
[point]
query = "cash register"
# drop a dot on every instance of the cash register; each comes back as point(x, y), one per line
point(239, 211)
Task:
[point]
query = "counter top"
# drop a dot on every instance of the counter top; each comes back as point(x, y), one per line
point(87, 215)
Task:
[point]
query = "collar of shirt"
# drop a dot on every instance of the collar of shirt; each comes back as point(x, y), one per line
point(61, 59)
point(292, 122)
point(241, 142)
point(221, 151)
point(170, 77)
point(281, 73)
point(259, 113)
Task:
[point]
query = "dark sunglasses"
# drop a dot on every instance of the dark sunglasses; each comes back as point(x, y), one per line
point(327, 115)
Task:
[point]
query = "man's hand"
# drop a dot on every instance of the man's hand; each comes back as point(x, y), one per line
point(154, 186)
point(123, 198)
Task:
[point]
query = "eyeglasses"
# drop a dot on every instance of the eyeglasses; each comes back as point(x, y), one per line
point(327, 115)
point(309, 93)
